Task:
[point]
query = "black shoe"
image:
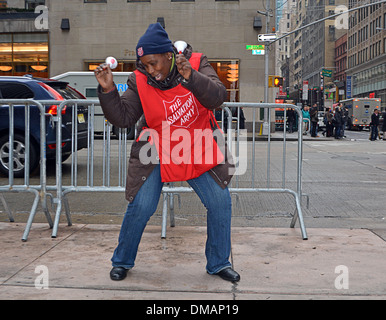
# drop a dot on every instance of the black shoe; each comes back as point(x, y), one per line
point(118, 273)
point(228, 274)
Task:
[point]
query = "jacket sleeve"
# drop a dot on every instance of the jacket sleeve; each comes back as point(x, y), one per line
point(122, 111)
point(206, 85)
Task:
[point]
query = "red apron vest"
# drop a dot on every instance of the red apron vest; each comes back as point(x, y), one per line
point(181, 129)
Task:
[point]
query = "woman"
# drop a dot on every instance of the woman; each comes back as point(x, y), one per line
point(174, 93)
point(306, 119)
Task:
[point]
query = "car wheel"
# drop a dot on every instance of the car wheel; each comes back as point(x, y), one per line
point(18, 151)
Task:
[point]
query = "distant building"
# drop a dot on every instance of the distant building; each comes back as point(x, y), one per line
point(366, 55)
point(340, 66)
point(318, 47)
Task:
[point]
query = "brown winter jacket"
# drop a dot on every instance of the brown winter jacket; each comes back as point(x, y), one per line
point(125, 111)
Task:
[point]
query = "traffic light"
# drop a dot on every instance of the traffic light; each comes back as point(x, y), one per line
point(275, 81)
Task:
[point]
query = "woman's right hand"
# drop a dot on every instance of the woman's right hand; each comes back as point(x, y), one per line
point(105, 77)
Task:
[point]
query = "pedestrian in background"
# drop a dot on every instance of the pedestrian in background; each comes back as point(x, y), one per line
point(306, 119)
point(344, 120)
point(374, 125)
point(314, 120)
point(338, 122)
point(290, 119)
point(384, 124)
point(328, 120)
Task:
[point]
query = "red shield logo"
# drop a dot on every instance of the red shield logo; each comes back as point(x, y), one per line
point(140, 52)
point(182, 111)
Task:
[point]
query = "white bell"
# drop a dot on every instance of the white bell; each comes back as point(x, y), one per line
point(180, 46)
point(112, 62)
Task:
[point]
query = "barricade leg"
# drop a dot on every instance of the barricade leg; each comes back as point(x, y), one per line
point(48, 217)
point(298, 214)
point(33, 211)
point(56, 221)
point(169, 207)
point(31, 215)
point(6, 208)
point(43, 202)
point(164, 214)
point(67, 211)
point(171, 210)
point(60, 203)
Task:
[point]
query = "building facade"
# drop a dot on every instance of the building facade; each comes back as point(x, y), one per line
point(366, 56)
point(340, 68)
point(295, 63)
point(318, 48)
point(82, 33)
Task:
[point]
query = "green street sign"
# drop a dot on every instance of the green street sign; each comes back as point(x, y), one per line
point(255, 47)
point(326, 73)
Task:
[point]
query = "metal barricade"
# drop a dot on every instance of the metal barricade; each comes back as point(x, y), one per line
point(170, 191)
point(61, 188)
point(235, 187)
point(39, 191)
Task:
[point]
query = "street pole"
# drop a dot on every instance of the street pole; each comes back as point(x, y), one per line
point(266, 68)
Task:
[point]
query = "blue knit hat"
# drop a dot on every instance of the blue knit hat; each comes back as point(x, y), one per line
point(155, 40)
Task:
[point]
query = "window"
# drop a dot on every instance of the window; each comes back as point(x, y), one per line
point(384, 45)
point(384, 21)
point(66, 92)
point(22, 53)
point(91, 93)
point(228, 72)
point(95, 1)
point(12, 90)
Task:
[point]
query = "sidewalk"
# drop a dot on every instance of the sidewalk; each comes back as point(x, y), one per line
point(274, 263)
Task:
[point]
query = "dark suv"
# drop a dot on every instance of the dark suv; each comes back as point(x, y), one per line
point(27, 87)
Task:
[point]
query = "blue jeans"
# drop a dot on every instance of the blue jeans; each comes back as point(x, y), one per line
point(374, 132)
point(337, 131)
point(219, 210)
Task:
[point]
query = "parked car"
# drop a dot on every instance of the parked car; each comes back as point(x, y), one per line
point(27, 87)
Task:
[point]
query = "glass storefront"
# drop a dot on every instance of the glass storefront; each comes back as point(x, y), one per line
point(24, 53)
point(228, 72)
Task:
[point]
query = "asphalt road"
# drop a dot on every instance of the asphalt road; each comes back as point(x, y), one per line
point(344, 179)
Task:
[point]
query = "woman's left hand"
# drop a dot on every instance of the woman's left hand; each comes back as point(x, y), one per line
point(183, 66)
